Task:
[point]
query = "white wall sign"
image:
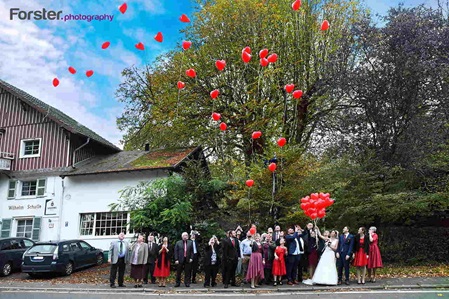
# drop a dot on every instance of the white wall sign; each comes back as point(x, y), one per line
point(50, 207)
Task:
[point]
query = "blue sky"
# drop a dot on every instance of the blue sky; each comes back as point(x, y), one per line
point(34, 52)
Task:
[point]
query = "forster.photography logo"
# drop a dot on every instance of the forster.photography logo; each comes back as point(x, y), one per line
point(52, 15)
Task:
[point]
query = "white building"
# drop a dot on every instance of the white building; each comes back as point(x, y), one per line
point(58, 178)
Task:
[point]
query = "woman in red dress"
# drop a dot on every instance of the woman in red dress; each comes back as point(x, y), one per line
point(162, 269)
point(375, 260)
point(361, 244)
point(279, 269)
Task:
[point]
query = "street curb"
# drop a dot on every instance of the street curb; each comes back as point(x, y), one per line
point(218, 291)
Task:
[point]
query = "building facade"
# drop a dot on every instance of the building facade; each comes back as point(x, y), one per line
point(58, 178)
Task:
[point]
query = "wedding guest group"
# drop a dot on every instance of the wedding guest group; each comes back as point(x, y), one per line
point(271, 257)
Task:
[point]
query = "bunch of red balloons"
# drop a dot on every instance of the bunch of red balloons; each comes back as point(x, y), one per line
point(315, 205)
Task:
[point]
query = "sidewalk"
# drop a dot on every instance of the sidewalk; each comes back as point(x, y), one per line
point(385, 284)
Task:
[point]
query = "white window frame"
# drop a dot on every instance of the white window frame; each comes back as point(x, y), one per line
point(94, 227)
point(19, 192)
point(17, 228)
point(11, 189)
point(22, 148)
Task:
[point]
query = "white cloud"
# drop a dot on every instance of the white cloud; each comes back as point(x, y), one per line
point(32, 57)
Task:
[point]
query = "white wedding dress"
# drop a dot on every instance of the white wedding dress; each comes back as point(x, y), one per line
point(326, 271)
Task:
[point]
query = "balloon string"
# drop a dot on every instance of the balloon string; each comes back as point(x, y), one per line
point(179, 90)
point(249, 203)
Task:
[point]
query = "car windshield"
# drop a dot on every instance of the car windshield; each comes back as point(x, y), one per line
point(47, 248)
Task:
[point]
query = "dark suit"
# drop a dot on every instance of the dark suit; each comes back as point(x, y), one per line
point(231, 255)
point(211, 269)
point(183, 257)
point(303, 265)
point(293, 259)
point(275, 236)
point(345, 248)
point(153, 252)
point(196, 257)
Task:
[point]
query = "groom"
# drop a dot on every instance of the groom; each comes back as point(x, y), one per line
point(344, 253)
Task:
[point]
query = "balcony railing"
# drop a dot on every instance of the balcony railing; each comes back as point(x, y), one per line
point(5, 160)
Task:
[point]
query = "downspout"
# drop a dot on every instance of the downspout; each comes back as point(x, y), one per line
point(60, 211)
point(74, 152)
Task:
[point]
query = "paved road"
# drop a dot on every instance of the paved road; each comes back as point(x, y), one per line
point(421, 294)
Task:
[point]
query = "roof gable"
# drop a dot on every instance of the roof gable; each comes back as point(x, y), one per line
point(56, 115)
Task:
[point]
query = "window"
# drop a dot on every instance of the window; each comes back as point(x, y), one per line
point(12, 189)
point(33, 188)
point(30, 148)
point(74, 246)
point(24, 228)
point(84, 245)
point(43, 248)
point(65, 248)
point(26, 243)
point(103, 224)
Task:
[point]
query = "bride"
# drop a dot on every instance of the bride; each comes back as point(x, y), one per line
point(326, 271)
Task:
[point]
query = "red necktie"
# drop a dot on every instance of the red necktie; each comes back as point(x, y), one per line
point(185, 249)
point(233, 242)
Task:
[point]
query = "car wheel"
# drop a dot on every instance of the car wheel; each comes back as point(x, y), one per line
point(100, 259)
point(7, 269)
point(68, 268)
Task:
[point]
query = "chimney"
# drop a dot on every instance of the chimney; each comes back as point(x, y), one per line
point(147, 147)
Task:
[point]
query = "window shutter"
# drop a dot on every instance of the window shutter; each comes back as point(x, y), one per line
point(6, 228)
point(41, 187)
point(36, 229)
point(12, 189)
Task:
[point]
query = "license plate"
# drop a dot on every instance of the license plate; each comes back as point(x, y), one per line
point(38, 258)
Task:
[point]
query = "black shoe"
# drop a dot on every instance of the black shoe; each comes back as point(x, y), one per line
point(226, 286)
point(339, 282)
point(235, 285)
point(214, 285)
point(113, 286)
point(145, 282)
point(187, 285)
point(194, 281)
point(347, 282)
point(153, 282)
point(177, 285)
point(121, 286)
point(135, 286)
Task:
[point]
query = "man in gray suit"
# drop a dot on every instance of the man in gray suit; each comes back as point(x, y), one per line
point(118, 253)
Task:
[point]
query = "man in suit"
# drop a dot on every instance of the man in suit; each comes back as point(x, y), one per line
point(118, 257)
point(276, 234)
point(183, 259)
point(303, 265)
point(196, 254)
point(231, 256)
point(295, 246)
point(152, 256)
point(344, 253)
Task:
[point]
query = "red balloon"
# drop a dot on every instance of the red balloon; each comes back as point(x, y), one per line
point(105, 45)
point(297, 94)
point(216, 116)
point(214, 93)
point(89, 73)
point(263, 53)
point(181, 85)
point(72, 70)
point(303, 206)
point(289, 88)
point(256, 135)
point(314, 196)
point(252, 231)
point(220, 64)
point(140, 46)
point(191, 73)
point(159, 37)
point(186, 45)
point(223, 126)
point(282, 141)
point(313, 216)
point(55, 82)
point(304, 200)
point(325, 25)
point(272, 167)
point(249, 183)
point(264, 62)
point(272, 58)
point(246, 57)
point(123, 8)
point(296, 5)
point(247, 50)
point(321, 213)
point(183, 18)
point(311, 210)
point(331, 202)
point(326, 195)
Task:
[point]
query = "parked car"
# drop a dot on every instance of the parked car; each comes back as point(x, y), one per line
point(11, 251)
point(60, 257)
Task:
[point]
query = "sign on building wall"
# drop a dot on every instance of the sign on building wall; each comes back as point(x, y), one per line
point(50, 207)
